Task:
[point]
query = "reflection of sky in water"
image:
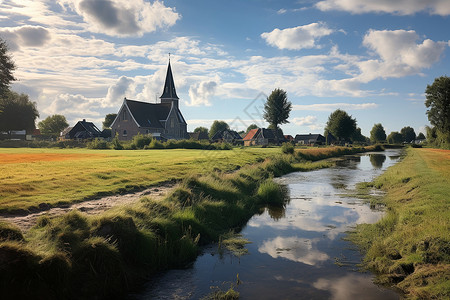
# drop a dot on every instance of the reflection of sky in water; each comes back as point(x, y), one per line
point(293, 251)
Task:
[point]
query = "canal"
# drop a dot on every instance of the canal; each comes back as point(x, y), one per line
point(295, 252)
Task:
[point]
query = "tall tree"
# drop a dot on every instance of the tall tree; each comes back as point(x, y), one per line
point(17, 112)
point(277, 108)
point(377, 134)
point(217, 126)
point(438, 103)
point(7, 67)
point(408, 134)
point(53, 125)
point(357, 136)
point(421, 136)
point(395, 138)
point(340, 125)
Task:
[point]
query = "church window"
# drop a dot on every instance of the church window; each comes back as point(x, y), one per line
point(124, 115)
point(124, 133)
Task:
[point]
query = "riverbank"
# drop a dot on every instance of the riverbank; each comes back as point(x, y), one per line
point(79, 256)
point(410, 247)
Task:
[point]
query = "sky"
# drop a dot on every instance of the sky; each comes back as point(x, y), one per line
point(373, 59)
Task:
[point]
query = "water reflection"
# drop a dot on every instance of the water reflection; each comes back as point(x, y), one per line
point(377, 160)
point(294, 247)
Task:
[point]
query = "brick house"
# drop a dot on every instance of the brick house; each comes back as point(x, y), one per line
point(162, 120)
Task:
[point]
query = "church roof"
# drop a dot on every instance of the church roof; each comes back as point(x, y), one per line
point(148, 114)
point(169, 91)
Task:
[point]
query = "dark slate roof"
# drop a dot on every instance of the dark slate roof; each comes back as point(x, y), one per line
point(169, 86)
point(84, 129)
point(199, 135)
point(270, 134)
point(220, 134)
point(308, 137)
point(149, 114)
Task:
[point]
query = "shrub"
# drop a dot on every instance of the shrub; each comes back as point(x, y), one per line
point(155, 144)
point(287, 148)
point(140, 141)
point(97, 144)
point(116, 145)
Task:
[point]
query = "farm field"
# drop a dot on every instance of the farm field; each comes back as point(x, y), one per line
point(51, 177)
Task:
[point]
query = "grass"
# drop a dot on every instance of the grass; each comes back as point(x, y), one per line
point(80, 256)
point(33, 176)
point(410, 246)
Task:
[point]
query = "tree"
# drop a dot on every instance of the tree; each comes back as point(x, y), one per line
point(6, 68)
point(109, 118)
point(217, 126)
point(438, 102)
point(17, 112)
point(421, 136)
point(53, 125)
point(252, 126)
point(395, 138)
point(340, 125)
point(277, 109)
point(377, 134)
point(201, 129)
point(408, 134)
point(357, 136)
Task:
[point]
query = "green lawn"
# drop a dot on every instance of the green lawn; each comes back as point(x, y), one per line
point(33, 176)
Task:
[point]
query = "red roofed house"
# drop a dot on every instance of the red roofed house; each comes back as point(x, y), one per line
point(262, 136)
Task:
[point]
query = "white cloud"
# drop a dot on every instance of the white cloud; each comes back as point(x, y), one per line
point(297, 38)
point(401, 7)
point(399, 54)
point(124, 87)
point(308, 120)
point(123, 18)
point(200, 93)
point(282, 11)
point(334, 106)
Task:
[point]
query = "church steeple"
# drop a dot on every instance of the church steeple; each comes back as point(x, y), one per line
point(169, 92)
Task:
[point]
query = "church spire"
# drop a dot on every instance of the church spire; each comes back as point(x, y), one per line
point(169, 86)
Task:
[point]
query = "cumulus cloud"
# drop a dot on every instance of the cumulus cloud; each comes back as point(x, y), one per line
point(399, 54)
point(201, 93)
point(309, 121)
point(334, 106)
point(116, 92)
point(25, 36)
point(124, 18)
point(401, 7)
point(297, 38)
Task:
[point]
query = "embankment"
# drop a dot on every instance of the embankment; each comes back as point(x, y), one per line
point(410, 247)
point(78, 256)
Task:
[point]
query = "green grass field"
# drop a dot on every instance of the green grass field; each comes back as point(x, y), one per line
point(55, 176)
point(410, 246)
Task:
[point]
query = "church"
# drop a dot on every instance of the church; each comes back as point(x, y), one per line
point(163, 120)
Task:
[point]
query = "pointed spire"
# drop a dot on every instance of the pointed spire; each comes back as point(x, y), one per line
point(169, 86)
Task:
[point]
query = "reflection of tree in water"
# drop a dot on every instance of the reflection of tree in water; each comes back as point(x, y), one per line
point(276, 212)
point(350, 162)
point(377, 160)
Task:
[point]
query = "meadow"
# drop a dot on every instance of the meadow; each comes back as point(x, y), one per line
point(410, 246)
point(31, 177)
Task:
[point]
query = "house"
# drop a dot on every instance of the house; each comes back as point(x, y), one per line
point(159, 119)
point(198, 136)
point(263, 136)
point(314, 139)
point(227, 135)
point(289, 138)
point(83, 130)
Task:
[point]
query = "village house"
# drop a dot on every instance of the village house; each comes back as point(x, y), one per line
point(83, 130)
point(227, 135)
point(314, 139)
point(263, 136)
point(163, 120)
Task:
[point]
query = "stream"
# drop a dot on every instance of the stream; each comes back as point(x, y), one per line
point(296, 252)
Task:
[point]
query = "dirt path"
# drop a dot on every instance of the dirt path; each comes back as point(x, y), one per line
point(89, 207)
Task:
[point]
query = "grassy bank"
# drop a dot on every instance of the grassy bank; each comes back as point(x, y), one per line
point(79, 256)
point(410, 247)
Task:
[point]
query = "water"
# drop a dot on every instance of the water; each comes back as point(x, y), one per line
point(297, 252)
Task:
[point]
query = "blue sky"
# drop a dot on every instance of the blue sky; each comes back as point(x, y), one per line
point(373, 59)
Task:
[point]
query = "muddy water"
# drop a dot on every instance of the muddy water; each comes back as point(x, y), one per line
point(297, 252)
